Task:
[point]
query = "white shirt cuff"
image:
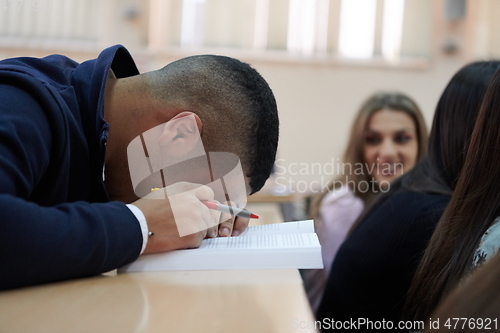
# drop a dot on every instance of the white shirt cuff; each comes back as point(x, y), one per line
point(142, 222)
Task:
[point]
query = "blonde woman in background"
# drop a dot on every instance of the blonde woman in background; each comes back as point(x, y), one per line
point(388, 137)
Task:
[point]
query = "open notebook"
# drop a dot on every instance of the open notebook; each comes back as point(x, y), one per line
point(270, 246)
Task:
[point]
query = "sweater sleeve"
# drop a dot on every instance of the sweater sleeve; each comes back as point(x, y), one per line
point(39, 243)
point(338, 214)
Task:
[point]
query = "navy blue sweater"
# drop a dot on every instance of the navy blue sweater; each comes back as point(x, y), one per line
point(56, 221)
point(374, 267)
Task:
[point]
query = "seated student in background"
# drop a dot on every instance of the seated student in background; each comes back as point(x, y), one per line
point(373, 269)
point(388, 137)
point(477, 300)
point(469, 231)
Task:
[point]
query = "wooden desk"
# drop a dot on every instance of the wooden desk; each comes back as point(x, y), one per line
point(291, 207)
point(253, 301)
point(268, 212)
point(266, 197)
point(196, 301)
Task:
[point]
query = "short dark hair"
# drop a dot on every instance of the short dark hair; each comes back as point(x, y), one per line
point(234, 102)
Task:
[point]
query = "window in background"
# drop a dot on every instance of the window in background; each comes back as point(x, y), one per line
point(392, 29)
point(352, 29)
point(357, 28)
point(307, 26)
point(261, 25)
point(193, 20)
point(55, 20)
point(360, 24)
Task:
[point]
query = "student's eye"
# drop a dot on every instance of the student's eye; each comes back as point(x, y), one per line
point(372, 140)
point(402, 139)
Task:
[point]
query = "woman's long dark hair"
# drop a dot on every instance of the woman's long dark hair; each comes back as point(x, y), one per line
point(472, 209)
point(478, 297)
point(452, 127)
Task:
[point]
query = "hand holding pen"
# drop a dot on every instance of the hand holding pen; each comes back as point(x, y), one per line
point(226, 227)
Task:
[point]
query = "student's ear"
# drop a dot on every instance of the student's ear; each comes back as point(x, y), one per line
point(181, 133)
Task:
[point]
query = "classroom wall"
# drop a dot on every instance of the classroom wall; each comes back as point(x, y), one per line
point(317, 105)
point(318, 97)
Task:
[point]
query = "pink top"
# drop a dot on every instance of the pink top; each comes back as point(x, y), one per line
point(338, 212)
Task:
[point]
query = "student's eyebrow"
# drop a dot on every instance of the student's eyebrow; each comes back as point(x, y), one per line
point(406, 129)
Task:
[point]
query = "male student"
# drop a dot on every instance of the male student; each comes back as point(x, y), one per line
point(67, 205)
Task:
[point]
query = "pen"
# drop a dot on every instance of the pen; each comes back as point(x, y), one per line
point(229, 209)
point(225, 209)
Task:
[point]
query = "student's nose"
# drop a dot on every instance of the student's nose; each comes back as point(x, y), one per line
point(388, 150)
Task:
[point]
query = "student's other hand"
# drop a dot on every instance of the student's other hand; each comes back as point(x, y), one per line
point(232, 225)
point(195, 215)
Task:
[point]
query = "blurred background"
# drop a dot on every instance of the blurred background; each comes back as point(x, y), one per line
point(322, 58)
